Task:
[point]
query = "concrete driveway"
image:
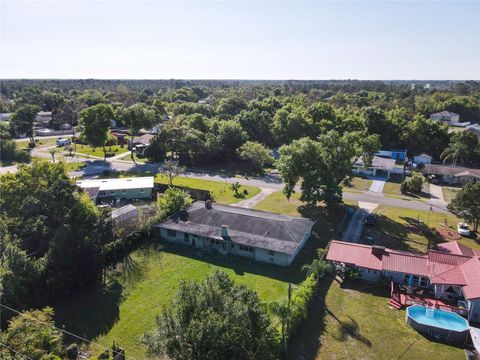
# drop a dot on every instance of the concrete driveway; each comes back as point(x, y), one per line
point(355, 226)
point(377, 186)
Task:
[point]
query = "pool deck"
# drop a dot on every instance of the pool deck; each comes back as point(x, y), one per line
point(475, 335)
point(400, 298)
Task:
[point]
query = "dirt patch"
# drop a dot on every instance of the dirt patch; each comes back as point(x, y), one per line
point(448, 234)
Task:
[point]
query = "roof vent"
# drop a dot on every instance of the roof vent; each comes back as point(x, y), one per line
point(224, 231)
point(378, 250)
point(208, 204)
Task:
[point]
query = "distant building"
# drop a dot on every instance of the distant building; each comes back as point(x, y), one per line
point(422, 159)
point(5, 116)
point(452, 174)
point(395, 154)
point(447, 117)
point(259, 235)
point(121, 188)
point(380, 167)
point(474, 128)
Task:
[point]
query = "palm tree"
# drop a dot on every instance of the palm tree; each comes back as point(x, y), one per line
point(52, 152)
point(318, 268)
point(454, 152)
point(284, 312)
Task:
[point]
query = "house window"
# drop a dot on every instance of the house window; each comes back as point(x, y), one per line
point(241, 247)
point(142, 190)
point(232, 245)
point(271, 253)
point(112, 192)
point(424, 282)
point(186, 238)
point(102, 193)
point(124, 191)
point(171, 233)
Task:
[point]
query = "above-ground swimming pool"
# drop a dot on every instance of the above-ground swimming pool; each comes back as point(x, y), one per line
point(442, 325)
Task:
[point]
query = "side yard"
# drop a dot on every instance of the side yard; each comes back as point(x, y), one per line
point(354, 322)
point(449, 193)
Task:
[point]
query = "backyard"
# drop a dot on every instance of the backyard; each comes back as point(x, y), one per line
point(404, 229)
point(355, 322)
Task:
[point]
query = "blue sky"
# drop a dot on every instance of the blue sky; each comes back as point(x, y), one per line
point(240, 40)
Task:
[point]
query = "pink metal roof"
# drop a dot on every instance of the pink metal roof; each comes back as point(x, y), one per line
point(356, 254)
point(456, 264)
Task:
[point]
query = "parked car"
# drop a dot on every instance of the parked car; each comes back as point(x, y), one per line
point(63, 142)
point(463, 229)
point(370, 220)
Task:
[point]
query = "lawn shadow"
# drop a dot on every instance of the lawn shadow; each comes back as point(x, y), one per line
point(75, 314)
point(305, 343)
point(349, 329)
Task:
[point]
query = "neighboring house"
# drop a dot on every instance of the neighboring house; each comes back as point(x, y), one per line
point(261, 236)
point(395, 154)
point(43, 118)
point(449, 118)
point(121, 188)
point(474, 128)
point(422, 159)
point(140, 140)
point(380, 167)
point(451, 174)
point(5, 116)
point(451, 274)
point(120, 136)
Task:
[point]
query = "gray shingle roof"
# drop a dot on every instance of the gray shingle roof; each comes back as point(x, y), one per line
point(245, 226)
point(378, 163)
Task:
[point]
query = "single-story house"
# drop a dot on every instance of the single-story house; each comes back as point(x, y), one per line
point(422, 159)
point(141, 140)
point(380, 166)
point(259, 235)
point(452, 174)
point(474, 128)
point(43, 118)
point(121, 188)
point(451, 273)
point(395, 154)
point(449, 117)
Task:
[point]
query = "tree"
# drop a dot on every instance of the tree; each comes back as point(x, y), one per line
point(173, 200)
point(321, 165)
point(33, 333)
point(64, 113)
point(96, 122)
point(255, 153)
point(318, 268)
point(412, 185)
point(229, 135)
point(231, 105)
point(466, 204)
point(464, 148)
point(52, 153)
point(156, 150)
point(212, 319)
point(136, 117)
point(257, 124)
point(173, 169)
point(235, 187)
point(291, 123)
point(45, 215)
point(23, 119)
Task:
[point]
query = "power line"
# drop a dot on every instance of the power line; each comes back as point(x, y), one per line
point(15, 351)
point(62, 330)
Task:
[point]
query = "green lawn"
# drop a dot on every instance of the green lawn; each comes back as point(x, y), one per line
point(400, 228)
point(393, 188)
point(220, 191)
point(135, 156)
point(129, 305)
point(449, 193)
point(359, 184)
point(87, 150)
point(355, 322)
point(277, 202)
point(23, 144)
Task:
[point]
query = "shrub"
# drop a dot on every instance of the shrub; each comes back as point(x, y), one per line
point(352, 274)
point(412, 185)
point(72, 352)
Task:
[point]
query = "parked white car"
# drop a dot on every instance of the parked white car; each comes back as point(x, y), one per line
point(63, 142)
point(463, 229)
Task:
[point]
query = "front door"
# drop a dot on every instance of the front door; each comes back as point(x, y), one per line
point(193, 242)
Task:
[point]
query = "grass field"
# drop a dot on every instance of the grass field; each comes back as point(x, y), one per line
point(129, 305)
point(220, 191)
point(449, 193)
point(23, 144)
point(358, 183)
point(398, 228)
point(135, 156)
point(87, 150)
point(355, 322)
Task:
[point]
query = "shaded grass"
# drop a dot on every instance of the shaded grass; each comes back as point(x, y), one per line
point(355, 322)
point(358, 183)
point(221, 191)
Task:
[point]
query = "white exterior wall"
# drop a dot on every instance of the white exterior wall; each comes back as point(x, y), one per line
point(272, 257)
point(363, 171)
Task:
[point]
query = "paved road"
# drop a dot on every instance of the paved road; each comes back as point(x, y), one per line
point(47, 137)
point(97, 166)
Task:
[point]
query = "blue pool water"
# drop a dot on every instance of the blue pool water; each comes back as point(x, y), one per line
point(437, 318)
